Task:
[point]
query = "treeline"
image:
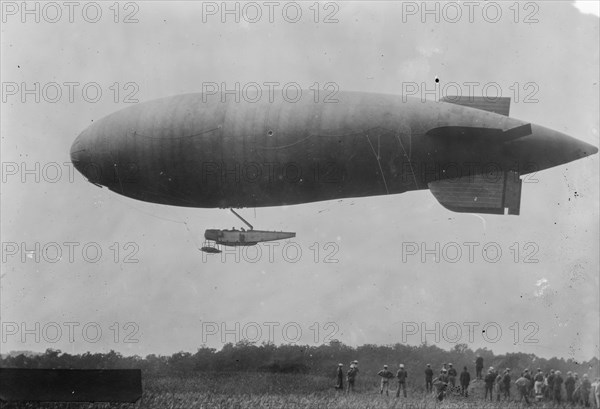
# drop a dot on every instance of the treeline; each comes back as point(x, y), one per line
point(318, 360)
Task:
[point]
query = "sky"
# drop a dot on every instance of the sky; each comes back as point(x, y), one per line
point(85, 269)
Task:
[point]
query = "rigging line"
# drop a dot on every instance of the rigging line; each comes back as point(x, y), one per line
point(116, 168)
point(119, 178)
point(409, 161)
point(160, 218)
point(192, 234)
point(287, 146)
point(145, 212)
point(378, 164)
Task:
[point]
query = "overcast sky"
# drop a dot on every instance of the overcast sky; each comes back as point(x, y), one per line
point(178, 298)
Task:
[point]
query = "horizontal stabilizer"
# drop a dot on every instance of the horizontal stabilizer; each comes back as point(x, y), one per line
point(478, 133)
point(517, 132)
point(490, 193)
point(210, 250)
point(499, 105)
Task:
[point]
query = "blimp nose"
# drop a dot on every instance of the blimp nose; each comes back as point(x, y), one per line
point(79, 153)
point(82, 158)
point(546, 148)
point(585, 149)
point(561, 148)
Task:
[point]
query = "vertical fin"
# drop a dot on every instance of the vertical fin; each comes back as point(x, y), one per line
point(491, 194)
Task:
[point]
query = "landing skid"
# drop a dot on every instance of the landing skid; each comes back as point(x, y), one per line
point(210, 248)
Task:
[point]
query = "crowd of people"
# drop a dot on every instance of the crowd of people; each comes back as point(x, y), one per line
point(385, 374)
point(530, 387)
point(543, 386)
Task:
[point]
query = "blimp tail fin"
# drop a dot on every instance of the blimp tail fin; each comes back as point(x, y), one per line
point(491, 194)
point(499, 105)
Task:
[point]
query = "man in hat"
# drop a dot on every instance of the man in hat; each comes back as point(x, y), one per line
point(351, 376)
point(499, 385)
point(569, 386)
point(586, 388)
point(538, 384)
point(465, 379)
point(441, 383)
point(577, 391)
point(401, 375)
point(506, 383)
point(386, 375)
point(523, 388)
point(549, 393)
point(478, 367)
point(452, 375)
point(557, 384)
point(489, 380)
point(529, 378)
point(428, 378)
point(340, 377)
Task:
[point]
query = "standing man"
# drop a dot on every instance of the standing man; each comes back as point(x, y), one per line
point(489, 380)
point(506, 383)
point(428, 378)
point(569, 387)
point(465, 379)
point(538, 384)
point(401, 375)
point(351, 376)
point(558, 381)
point(385, 380)
point(577, 391)
point(478, 366)
point(529, 378)
point(499, 386)
point(550, 382)
point(340, 377)
point(586, 387)
point(523, 388)
point(452, 375)
point(441, 383)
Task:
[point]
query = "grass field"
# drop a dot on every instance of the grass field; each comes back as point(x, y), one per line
point(262, 390)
